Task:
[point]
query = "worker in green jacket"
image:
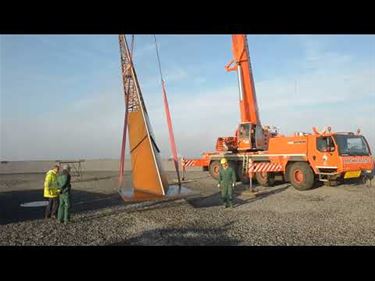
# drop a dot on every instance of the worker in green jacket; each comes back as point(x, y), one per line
point(227, 179)
point(65, 187)
point(51, 192)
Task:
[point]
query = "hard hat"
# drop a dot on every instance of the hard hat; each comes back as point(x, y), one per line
point(223, 161)
point(66, 167)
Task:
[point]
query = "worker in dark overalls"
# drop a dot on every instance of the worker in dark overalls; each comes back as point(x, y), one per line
point(227, 179)
point(65, 187)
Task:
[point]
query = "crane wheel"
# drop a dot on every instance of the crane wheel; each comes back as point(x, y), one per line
point(214, 169)
point(240, 176)
point(301, 176)
point(265, 179)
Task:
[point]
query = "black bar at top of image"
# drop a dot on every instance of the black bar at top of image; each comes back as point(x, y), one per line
point(190, 19)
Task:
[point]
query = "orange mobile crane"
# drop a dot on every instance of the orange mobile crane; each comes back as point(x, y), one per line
point(301, 159)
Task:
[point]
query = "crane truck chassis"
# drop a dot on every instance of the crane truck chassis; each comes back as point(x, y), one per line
point(302, 160)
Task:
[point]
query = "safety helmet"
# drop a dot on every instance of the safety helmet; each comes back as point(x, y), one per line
point(223, 161)
point(66, 167)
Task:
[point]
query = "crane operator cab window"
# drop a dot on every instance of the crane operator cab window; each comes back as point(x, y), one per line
point(244, 131)
point(325, 144)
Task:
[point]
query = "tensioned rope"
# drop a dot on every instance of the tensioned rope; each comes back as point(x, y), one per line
point(168, 115)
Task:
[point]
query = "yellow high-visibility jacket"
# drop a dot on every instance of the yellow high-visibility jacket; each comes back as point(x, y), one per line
point(50, 185)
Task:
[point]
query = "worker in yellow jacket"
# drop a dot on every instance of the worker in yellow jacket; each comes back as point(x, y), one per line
point(51, 192)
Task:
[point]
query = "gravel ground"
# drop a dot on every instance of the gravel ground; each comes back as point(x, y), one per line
point(281, 215)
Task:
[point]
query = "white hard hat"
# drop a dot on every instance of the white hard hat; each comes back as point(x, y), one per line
point(66, 167)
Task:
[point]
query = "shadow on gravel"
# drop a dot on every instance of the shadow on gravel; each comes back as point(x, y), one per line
point(356, 183)
point(265, 193)
point(11, 211)
point(135, 208)
point(197, 178)
point(191, 236)
point(206, 201)
point(89, 179)
point(215, 199)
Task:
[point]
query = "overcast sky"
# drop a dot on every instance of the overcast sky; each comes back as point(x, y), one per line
point(61, 96)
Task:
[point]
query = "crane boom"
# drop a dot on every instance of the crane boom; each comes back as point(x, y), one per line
point(248, 100)
point(251, 135)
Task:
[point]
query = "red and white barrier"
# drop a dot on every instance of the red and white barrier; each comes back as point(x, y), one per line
point(265, 167)
point(189, 163)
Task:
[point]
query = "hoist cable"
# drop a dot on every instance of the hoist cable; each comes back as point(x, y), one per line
point(169, 119)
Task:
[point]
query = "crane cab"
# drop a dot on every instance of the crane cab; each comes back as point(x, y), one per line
point(250, 137)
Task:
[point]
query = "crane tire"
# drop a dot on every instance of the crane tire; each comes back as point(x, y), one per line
point(301, 176)
point(214, 169)
point(265, 179)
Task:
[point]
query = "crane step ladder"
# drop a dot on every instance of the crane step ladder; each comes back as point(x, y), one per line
point(246, 166)
point(246, 162)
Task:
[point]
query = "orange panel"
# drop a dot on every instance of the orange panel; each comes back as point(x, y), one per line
point(288, 145)
point(148, 176)
point(147, 171)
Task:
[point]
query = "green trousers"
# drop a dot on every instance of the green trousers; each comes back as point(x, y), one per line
point(64, 208)
point(226, 194)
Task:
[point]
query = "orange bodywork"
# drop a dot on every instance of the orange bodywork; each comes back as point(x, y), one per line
point(285, 150)
point(288, 145)
point(306, 148)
